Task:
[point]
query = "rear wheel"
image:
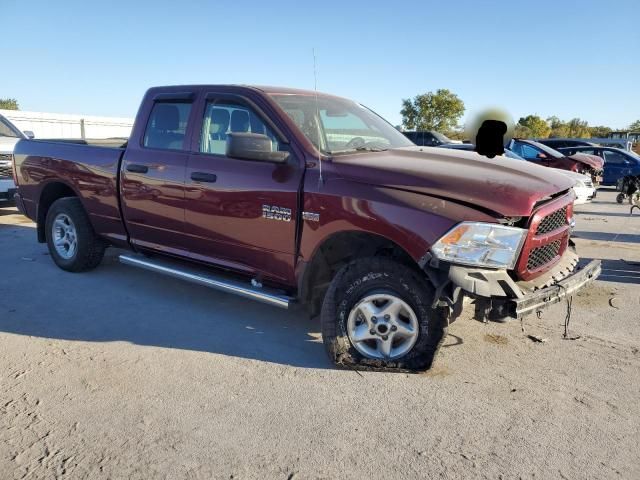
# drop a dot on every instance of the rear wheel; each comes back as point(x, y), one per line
point(377, 315)
point(72, 243)
point(620, 198)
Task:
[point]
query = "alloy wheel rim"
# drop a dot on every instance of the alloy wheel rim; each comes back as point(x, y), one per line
point(65, 238)
point(382, 326)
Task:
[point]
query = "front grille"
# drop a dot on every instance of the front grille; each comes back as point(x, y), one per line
point(542, 255)
point(5, 157)
point(554, 221)
point(6, 171)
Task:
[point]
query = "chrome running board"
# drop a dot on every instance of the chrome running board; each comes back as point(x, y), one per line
point(207, 279)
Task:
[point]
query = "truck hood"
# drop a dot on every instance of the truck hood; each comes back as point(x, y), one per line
point(505, 186)
point(7, 144)
point(593, 161)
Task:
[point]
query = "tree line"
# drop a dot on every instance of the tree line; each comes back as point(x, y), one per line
point(441, 111)
point(9, 104)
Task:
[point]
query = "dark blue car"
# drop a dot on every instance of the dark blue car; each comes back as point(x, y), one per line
point(618, 163)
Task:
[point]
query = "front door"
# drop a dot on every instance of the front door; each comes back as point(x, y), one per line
point(241, 214)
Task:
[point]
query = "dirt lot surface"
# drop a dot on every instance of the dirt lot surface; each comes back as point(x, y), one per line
point(120, 373)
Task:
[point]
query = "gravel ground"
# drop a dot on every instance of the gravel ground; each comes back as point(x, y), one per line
point(120, 373)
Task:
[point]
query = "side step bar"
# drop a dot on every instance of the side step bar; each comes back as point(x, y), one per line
point(217, 282)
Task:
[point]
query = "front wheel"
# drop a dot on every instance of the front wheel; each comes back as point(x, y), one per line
point(378, 315)
point(620, 197)
point(72, 243)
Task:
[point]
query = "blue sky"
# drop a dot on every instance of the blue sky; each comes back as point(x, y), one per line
point(546, 57)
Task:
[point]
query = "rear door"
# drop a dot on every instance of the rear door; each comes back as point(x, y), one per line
point(240, 214)
point(153, 175)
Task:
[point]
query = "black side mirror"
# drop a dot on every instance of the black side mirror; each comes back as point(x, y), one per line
point(253, 146)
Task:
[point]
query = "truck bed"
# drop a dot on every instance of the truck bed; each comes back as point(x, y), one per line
point(90, 170)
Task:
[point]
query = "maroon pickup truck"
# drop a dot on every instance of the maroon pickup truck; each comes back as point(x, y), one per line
point(286, 196)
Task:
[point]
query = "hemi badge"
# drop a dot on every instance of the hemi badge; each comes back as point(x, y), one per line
point(312, 217)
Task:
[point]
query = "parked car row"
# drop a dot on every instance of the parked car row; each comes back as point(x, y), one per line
point(541, 154)
point(606, 165)
point(618, 163)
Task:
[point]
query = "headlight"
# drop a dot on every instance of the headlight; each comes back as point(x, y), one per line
point(481, 244)
point(580, 184)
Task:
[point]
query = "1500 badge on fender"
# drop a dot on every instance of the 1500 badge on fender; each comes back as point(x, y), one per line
point(276, 213)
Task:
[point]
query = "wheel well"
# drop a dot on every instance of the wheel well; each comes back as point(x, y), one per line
point(337, 251)
point(50, 194)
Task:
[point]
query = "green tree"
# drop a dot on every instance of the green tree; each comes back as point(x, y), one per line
point(574, 128)
point(438, 111)
point(635, 126)
point(538, 128)
point(599, 131)
point(578, 128)
point(558, 127)
point(458, 134)
point(521, 131)
point(9, 104)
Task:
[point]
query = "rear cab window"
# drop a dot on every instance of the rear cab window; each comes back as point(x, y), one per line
point(167, 125)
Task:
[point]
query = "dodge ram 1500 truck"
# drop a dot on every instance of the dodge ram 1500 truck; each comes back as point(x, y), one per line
point(285, 196)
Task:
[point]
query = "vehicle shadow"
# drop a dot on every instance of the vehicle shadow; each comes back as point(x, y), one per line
point(619, 271)
point(120, 303)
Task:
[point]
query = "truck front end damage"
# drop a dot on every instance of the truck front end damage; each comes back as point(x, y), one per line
point(512, 271)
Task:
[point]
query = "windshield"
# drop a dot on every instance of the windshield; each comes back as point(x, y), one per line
point(336, 125)
point(441, 138)
point(8, 130)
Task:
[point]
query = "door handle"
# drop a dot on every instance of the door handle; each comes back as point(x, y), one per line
point(203, 177)
point(135, 168)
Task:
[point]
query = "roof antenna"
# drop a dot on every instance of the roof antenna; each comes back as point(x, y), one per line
point(315, 88)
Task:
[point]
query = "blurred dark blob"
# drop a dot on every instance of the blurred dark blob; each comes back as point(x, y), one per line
point(490, 138)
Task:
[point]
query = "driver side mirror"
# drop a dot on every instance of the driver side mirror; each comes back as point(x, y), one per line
point(29, 134)
point(253, 146)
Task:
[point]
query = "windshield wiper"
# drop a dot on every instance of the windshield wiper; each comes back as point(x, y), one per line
point(371, 149)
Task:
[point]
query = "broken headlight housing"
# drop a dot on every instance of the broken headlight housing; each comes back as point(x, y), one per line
point(481, 245)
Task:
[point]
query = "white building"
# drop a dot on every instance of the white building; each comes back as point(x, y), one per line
point(60, 125)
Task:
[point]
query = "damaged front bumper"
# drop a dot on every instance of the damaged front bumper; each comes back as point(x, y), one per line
point(540, 299)
point(504, 298)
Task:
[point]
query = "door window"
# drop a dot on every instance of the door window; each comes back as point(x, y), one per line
point(525, 151)
point(614, 158)
point(167, 125)
point(224, 117)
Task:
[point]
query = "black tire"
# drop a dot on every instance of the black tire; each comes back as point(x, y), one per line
point(90, 248)
point(362, 277)
point(620, 198)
